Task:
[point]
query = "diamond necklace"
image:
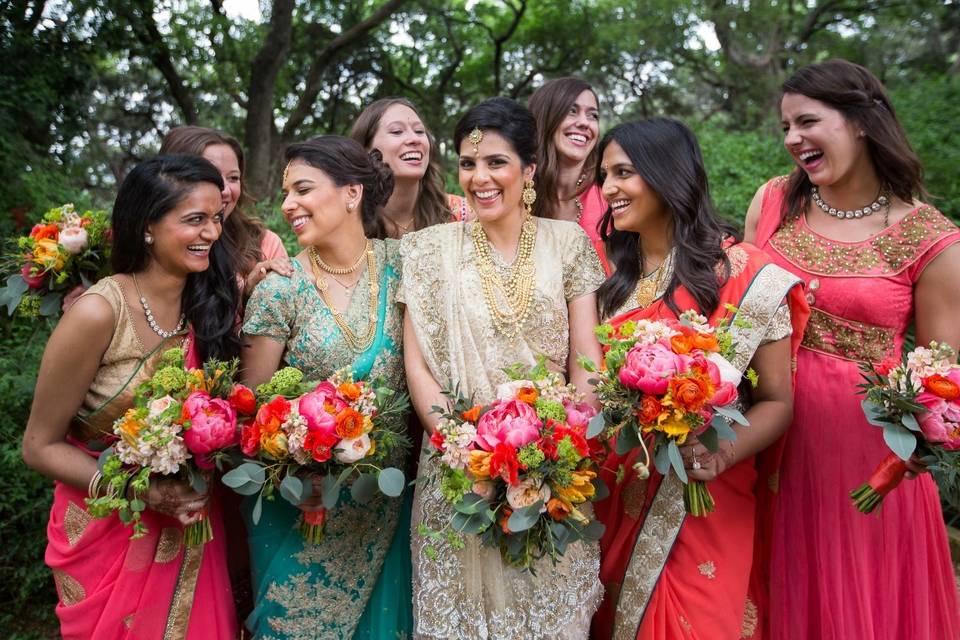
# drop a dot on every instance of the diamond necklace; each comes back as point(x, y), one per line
point(151, 322)
point(868, 210)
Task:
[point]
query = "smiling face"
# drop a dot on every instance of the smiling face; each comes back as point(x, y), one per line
point(225, 160)
point(821, 141)
point(634, 205)
point(182, 238)
point(493, 178)
point(315, 206)
point(403, 141)
point(577, 134)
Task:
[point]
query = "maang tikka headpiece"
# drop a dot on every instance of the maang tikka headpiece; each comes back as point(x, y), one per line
point(476, 137)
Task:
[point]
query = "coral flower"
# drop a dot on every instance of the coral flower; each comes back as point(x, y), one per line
point(528, 395)
point(45, 232)
point(250, 440)
point(271, 415)
point(349, 423)
point(242, 400)
point(580, 489)
point(479, 464)
point(504, 464)
point(705, 341)
point(350, 390)
point(942, 387)
point(681, 343)
point(320, 445)
point(690, 393)
point(649, 410)
point(558, 509)
point(472, 414)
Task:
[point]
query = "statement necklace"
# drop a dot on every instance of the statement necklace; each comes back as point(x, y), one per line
point(881, 201)
point(362, 342)
point(338, 271)
point(518, 287)
point(151, 322)
point(649, 286)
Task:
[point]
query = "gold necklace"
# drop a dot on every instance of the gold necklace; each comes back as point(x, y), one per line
point(576, 197)
point(356, 342)
point(405, 227)
point(649, 286)
point(518, 287)
point(339, 271)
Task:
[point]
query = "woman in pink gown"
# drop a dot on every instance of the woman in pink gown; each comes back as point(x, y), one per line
point(893, 261)
point(171, 275)
point(567, 112)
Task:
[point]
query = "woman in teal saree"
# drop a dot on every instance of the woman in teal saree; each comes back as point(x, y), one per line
point(336, 310)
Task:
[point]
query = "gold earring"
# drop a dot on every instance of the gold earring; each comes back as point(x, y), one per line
point(476, 137)
point(528, 196)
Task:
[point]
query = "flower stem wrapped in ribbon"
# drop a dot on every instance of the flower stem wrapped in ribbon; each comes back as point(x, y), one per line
point(917, 404)
point(346, 432)
point(517, 472)
point(181, 424)
point(662, 382)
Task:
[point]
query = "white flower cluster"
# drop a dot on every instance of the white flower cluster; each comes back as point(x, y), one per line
point(159, 446)
point(295, 426)
point(927, 362)
point(696, 321)
point(555, 388)
point(457, 438)
point(366, 403)
point(650, 331)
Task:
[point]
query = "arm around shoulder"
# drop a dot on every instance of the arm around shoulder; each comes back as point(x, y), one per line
point(936, 298)
point(753, 216)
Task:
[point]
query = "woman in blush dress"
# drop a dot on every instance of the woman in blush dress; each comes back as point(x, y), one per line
point(851, 222)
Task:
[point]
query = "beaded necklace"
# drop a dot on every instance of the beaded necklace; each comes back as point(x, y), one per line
point(518, 287)
point(356, 342)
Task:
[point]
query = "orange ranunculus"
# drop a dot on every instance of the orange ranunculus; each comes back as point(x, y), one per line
point(472, 414)
point(271, 415)
point(504, 516)
point(47, 254)
point(558, 509)
point(942, 387)
point(479, 464)
point(130, 427)
point(705, 341)
point(528, 395)
point(45, 232)
point(350, 390)
point(649, 409)
point(349, 423)
point(691, 392)
point(681, 343)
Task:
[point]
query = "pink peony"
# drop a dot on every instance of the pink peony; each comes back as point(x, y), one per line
point(213, 425)
point(333, 396)
point(940, 423)
point(73, 239)
point(725, 393)
point(512, 422)
point(648, 367)
point(313, 408)
point(33, 281)
point(578, 414)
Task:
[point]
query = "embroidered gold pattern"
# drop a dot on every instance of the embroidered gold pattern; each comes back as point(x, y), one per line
point(168, 545)
point(71, 591)
point(708, 569)
point(888, 252)
point(780, 327)
point(128, 621)
point(684, 622)
point(751, 619)
point(634, 497)
point(738, 261)
point(179, 617)
point(75, 521)
point(847, 339)
point(773, 482)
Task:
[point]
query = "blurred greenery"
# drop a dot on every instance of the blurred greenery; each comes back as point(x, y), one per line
point(88, 88)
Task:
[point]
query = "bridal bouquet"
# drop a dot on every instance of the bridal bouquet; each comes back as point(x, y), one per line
point(66, 250)
point(518, 471)
point(666, 380)
point(181, 423)
point(340, 429)
point(917, 404)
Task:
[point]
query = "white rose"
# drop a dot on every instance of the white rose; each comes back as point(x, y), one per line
point(508, 390)
point(527, 493)
point(486, 489)
point(728, 372)
point(158, 406)
point(73, 239)
point(352, 449)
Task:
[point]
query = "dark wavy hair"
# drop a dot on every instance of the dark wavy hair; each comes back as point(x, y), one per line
point(345, 162)
point(860, 97)
point(211, 298)
point(432, 207)
point(549, 105)
point(666, 155)
point(508, 118)
point(244, 230)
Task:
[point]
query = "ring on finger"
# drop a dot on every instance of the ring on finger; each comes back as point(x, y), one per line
point(696, 463)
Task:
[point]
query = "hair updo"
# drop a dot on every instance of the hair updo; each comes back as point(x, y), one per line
point(345, 162)
point(507, 118)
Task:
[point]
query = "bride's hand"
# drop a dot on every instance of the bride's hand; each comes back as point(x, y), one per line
point(703, 465)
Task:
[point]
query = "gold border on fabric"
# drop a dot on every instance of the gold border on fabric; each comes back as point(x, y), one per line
point(182, 603)
point(75, 521)
point(847, 339)
point(758, 308)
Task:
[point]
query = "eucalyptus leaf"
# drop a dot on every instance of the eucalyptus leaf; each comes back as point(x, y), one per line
point(602, 492)
point(875, 414)
point(900, 440)
point(661, 459)
point(197, 482)
point(593, 531)
point(291, 488)
point(627, 439)
point(470, 503)
point(11, 294)
point(248, 472)
point(364, 487)
point(257, 510)
point(910, 422)
point(723, 428)
point(676, 460)
point(473, 523)
point(733, 414)
point(331, 491)
point(523, 519)
point(391, 482)
point(710, 439)
point(50, 303)
point(596, 425)
point(105, 455)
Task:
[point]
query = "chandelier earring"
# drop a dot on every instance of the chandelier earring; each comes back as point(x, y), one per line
point(528, 196)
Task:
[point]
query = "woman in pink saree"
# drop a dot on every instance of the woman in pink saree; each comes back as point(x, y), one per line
point(172, 278)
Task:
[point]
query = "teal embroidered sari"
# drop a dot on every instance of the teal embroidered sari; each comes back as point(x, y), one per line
point(357, 582)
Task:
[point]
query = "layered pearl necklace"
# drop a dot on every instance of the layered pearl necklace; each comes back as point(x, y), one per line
point(151, 321)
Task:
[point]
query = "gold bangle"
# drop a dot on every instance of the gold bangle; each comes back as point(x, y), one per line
point(93, 487)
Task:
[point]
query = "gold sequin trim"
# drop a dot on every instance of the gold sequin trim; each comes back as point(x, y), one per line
point(634, 497)
point(70, 590)
point(75, 521)
point(708, 569)
point(168, 546)
point(888, 252)
point(751, 619)
point(179, 616)
point(128, 621)
point(847, 339)
point(738, 258)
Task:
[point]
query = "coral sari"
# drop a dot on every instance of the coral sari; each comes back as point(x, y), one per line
point(668, 575)
point(110, 586)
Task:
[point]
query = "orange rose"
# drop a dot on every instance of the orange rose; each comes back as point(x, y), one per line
point(528, 395)
point(479, 464)
point(472, 414)
point(942, 387)
point(558, 509)
point(45, 232)
point(349, 423)
point(349, 390)
point(649, 410)
point(690, 393)
point(705, 341)
point(681, 343)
